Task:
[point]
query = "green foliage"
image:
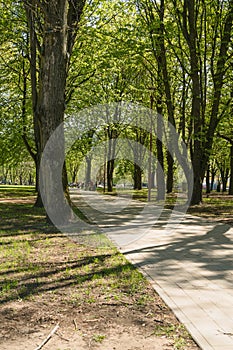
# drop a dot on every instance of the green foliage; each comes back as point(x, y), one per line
point(114, 59)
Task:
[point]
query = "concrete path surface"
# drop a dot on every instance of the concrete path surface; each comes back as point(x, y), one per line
point(189, 262)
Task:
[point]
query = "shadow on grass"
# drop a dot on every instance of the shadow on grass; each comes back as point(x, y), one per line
point(18, 219)
point(57, 277)
point(22, 225)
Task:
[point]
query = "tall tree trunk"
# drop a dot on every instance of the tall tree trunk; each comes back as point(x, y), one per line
point(51, 101)
point(203, 154)
point(50, 51)
point(189, 15)
point(162, 60)
point(31, 17)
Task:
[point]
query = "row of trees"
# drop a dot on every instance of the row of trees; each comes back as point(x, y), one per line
point(58, 57)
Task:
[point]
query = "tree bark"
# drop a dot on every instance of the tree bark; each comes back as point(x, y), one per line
point(50, 51)
point(160, 178)
point(231, 172)
point(208, 180)
point(170, 172)
point(191, 38)
point(112, 134)
point(110, 170)
point(88, 171)
point(137, 177)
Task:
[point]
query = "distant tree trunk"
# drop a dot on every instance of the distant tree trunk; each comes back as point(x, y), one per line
point(213, 173)
point(20, 179)
point(208, 180)
point(110, 170)
point(153, 174)
point(227, 138)
point(160, 179)
point(231, 172)
point(38, 203)
point(218, 185)
point(30, 181)
point(74, 174)
point(88, 170)
point(111, 157)
point(137, 177)
point(224, 176)
point(139, 154)
point(170, 172)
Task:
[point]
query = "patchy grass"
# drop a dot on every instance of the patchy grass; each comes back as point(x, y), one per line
point(177, 333)
point(216, 207)
point(46, 278)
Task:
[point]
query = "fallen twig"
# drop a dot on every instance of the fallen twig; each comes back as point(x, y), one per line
point(61, 336)
point(48, 337)
point(94, 320)
point(75, 324)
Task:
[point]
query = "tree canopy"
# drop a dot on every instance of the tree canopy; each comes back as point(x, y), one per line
point(59, 57)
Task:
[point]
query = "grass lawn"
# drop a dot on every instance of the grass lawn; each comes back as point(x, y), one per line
point(46, 278)
point(11, 191)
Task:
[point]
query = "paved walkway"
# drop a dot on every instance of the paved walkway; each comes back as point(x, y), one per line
point(189, 263)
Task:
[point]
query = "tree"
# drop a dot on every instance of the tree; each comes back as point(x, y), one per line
point(14, 104)
point(53, 28)
point(194, 30)
point(225, 132)
point(190, 41)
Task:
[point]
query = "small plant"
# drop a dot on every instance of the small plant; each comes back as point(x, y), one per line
point(177, 333)
point(8, 286)
point(91, 300)
point(98, 338)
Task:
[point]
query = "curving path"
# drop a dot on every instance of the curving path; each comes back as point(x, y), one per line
point(189, 262)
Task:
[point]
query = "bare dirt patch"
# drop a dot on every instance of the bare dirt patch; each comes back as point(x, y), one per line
point(79, 330)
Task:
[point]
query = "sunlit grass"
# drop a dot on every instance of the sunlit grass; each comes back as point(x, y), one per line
point(16, 191)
